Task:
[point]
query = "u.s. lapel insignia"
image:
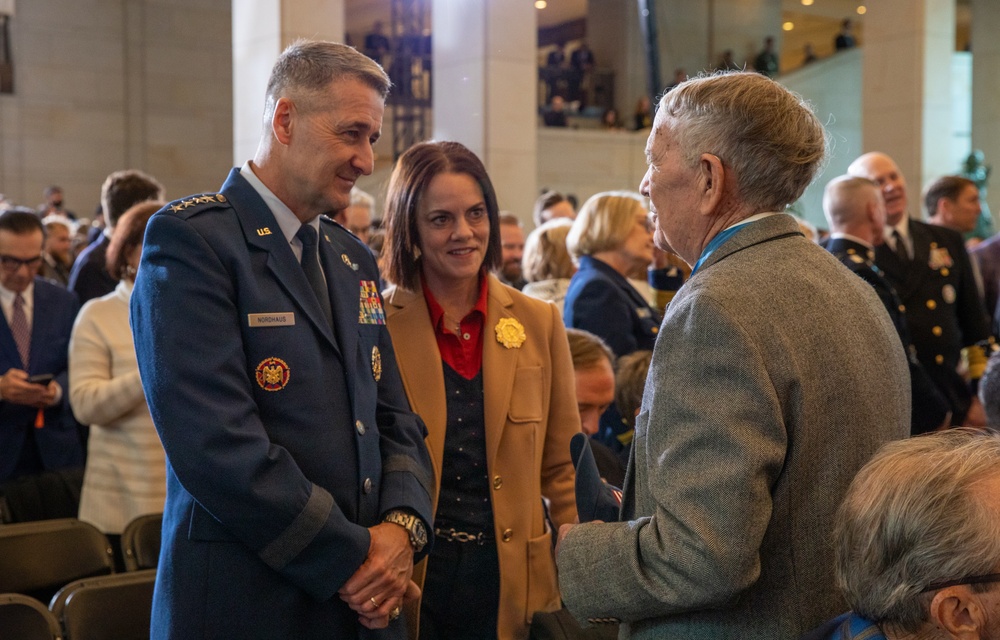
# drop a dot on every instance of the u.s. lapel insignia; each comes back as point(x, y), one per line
point(510, 333)
point(376, 364)
point(370, 310)
point(939, 258)
point(348, 262)
point(264, 231)
point(272, 374)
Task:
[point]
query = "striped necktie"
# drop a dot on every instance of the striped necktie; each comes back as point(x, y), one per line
point(21, 330)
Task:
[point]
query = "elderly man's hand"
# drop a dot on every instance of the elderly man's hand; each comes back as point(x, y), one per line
point(382, 582)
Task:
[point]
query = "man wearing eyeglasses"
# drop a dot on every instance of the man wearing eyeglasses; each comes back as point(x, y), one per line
point(917, 555)
point(37, 429)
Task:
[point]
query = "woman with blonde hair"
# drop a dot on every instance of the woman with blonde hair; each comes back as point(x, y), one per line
point(612, 240)
point(547, 265)
point(488, 369)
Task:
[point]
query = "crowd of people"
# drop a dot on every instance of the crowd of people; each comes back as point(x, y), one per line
point(355, 420)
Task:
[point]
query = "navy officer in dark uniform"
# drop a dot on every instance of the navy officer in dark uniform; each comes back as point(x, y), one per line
point(298, 481)
point(856, 215)
point(929, 268)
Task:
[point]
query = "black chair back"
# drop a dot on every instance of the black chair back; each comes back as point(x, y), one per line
point(141, 542)
point(115, 607)
point(37, 558)
point(24, 618)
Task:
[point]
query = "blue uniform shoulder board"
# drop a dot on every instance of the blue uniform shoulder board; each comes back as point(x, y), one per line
point(187, 207)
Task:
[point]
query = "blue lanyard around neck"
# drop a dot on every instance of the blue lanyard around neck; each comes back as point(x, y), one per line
point(715, 243)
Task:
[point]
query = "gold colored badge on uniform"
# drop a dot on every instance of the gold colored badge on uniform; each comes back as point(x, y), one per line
point(376, 364)
point(510, 333)
point(272, 374)
point(264, 231)
point(370, 310)
point(856, 259)
point(939, 258)
point(277, 319)
point(348, 262)
point(196, 200)
point(948, 293)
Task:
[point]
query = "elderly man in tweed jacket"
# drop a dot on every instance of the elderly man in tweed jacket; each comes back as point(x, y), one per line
point(776, 374)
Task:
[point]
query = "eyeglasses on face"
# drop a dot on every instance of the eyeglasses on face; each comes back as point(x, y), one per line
point(10, 263)
point(983, 579)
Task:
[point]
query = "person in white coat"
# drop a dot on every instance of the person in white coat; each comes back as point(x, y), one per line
point(125, 475)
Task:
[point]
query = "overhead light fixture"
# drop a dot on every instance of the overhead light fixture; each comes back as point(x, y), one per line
point(807, 3)
point(541, 4)
point(862, 10)
point(788, 26)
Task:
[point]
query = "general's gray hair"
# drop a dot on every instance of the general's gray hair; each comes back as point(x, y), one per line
point(767, 134)
point(917, 514)
point(306, 67)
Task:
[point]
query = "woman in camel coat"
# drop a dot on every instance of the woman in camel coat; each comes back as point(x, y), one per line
point(489, 371)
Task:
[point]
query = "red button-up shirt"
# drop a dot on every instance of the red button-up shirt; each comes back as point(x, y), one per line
point(462, 351)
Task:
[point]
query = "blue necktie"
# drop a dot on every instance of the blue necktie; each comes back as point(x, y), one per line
point(312, 269)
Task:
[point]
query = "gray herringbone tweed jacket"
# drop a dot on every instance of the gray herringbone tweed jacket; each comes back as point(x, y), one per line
point(776, 375)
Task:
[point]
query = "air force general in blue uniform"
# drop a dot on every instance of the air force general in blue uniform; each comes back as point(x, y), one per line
point(288, 437)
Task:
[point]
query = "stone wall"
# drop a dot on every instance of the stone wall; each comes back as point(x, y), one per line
point(102, 85)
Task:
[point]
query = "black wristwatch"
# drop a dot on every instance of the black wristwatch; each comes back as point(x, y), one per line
point(414, 527)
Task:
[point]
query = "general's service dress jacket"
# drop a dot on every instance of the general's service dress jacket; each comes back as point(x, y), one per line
point(530, 416)
point(775, 378)
point(285, 437)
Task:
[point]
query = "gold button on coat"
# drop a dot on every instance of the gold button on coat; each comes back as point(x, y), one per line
point(507, 535)
point(368, 485)
point(937, 331)
point(939, 359)
point(360, 426)
point(931, 305)
point(497, 482)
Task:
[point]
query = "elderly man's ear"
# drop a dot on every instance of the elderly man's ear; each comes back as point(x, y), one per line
point(712, 176)
point(959, 612)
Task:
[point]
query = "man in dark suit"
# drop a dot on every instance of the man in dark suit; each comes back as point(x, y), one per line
point(776, 374)
point(37, 429)
point(856, 215)
point(297, 478)
point(929, 268)
point(122, 189)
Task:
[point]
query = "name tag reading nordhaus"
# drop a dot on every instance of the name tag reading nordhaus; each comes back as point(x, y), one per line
point(284, 319)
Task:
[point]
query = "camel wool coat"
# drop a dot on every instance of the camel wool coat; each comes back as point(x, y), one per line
point(530, 415)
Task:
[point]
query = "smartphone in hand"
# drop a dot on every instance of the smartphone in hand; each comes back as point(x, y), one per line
point(42, 378)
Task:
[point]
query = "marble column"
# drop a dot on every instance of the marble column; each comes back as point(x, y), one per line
point(906, 89)
point(986, 91)
point(261, 30)
point(485, 86)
